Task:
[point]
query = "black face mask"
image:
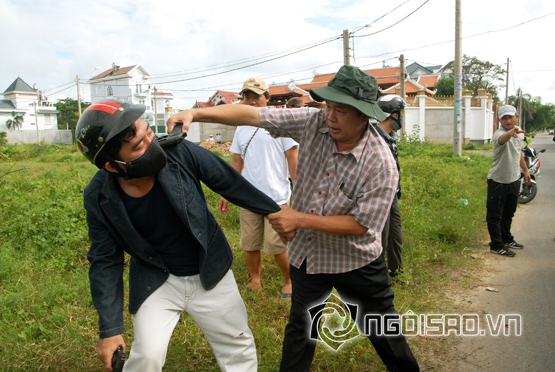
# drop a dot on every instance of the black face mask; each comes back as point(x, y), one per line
point(399, 122)
point(148, 164)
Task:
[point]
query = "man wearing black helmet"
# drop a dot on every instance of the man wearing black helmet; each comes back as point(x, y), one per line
point(346, 181)
point(392, 234)
point(148, 201)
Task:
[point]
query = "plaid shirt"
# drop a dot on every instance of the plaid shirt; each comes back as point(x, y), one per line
point(361, 183)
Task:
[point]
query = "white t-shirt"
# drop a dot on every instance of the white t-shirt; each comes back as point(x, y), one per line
point(265, 164)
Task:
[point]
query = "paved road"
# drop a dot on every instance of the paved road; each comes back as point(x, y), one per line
point(526, 285)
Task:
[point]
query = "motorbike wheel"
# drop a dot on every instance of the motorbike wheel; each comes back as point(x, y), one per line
point(528, 193)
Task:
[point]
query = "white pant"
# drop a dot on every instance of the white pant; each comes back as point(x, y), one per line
point(220, 313)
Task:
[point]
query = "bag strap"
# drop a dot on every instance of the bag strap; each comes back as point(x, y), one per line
point(248, 143)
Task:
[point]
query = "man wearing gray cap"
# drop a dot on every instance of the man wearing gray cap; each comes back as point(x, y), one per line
point(346, 181)
point(503, 182)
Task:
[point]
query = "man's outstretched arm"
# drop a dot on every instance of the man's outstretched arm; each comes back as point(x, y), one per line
point(233, 115)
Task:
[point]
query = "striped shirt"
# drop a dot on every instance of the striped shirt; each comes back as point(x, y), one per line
point(360, 182)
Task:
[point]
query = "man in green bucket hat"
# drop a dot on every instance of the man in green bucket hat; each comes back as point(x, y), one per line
point(346, 181)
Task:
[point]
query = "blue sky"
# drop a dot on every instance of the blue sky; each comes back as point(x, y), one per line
point(208, 45)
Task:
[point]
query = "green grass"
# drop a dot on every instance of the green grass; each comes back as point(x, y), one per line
point(48, 323)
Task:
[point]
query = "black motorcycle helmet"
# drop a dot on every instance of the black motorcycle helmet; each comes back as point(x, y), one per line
point(100, 122)
point(391, 103)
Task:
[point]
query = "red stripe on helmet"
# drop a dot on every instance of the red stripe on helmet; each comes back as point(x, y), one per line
point(105, 106)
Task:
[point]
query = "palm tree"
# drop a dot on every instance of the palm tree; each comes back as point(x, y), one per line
point(16, 122)
point(522, 103)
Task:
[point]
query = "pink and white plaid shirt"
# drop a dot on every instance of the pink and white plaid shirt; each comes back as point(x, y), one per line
point(361, 182)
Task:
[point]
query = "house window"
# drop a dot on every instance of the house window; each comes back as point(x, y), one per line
point(110, 92)
point(141, 101)
point(138, 88)
point(47, 120)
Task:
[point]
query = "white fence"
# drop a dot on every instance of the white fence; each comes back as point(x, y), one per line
point(436, 123)
point(49, 136)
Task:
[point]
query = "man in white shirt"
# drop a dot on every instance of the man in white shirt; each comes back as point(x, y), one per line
point(267, 163)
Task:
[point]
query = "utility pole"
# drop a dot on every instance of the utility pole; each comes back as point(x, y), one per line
point(36, 122)
point(402, 75)
point(346, 48)
point(458, 129)
point(507, 84)
point(402, 81)
point(520, 116)
point(155, 113)
point(78, 96)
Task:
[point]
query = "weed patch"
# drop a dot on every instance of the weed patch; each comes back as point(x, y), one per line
point(48, 323)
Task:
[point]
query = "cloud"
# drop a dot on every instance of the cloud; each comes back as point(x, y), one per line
point(208, 45)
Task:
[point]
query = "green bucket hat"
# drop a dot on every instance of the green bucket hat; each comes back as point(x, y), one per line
point(353, 87)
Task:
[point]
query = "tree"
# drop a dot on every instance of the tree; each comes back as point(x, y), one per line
point(445, 86)
point(69, 112)
point(543, 116)
point(476, 75)
point(522, 102)
point(481, 75)
point(16, 122)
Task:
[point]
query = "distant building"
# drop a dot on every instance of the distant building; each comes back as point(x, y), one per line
point(427, 117)
point(40, 117)
point(132, 84)
point(198, 133)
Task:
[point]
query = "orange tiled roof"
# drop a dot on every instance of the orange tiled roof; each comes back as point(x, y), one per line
point(279, 90)
point(158, 93)
point(428, 81)
point(388, 80)
point(411, 88)
point(111, 72)
point(385, 76)
point(202, 104)
point(228, 95)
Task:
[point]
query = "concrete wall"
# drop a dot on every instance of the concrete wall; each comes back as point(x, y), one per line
point(49, 136)
point(439, 124)
point(199, 132)
point(435, 123)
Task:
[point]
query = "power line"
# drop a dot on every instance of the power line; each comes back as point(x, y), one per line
point(396, 23)
point(509, 28)
point(291, 51)
point(450, 41)
point(265, 58)
point(249, 65)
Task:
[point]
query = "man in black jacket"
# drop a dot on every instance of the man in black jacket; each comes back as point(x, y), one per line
point(148, 201)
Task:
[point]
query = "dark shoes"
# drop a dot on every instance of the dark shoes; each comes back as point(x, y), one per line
point(514, 245)
point(503, 252)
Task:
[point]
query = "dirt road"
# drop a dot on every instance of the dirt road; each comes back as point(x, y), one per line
point(526, 289)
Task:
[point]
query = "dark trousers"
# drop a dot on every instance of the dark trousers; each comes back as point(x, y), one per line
point(368, 287)
point(392, 239)
point(501, 207)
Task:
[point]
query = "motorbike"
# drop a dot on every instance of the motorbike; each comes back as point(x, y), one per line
point(528, 192)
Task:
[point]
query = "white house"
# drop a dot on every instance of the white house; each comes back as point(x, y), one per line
point(132, 84)
point(40, 117)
